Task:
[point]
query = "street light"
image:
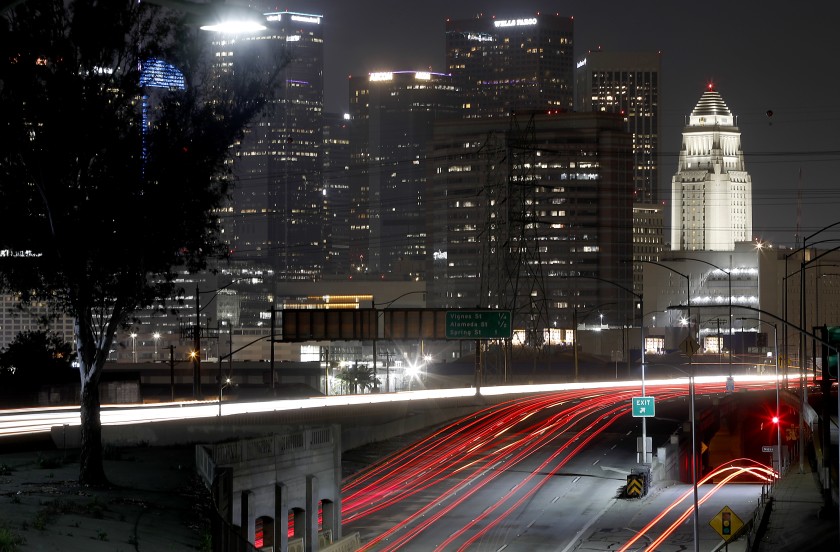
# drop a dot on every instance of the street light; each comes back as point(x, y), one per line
point(691, 395)
point(729, 276)
point(133, 347)
point(218, 16)
point(776, 417)
point(803, 334)
point(222, 385)
point(642, 336)
point(156, 337)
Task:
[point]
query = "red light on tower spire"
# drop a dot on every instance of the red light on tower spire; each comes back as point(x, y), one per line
point(711, 86)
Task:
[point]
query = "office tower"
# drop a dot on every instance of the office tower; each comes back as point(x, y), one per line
point(648, 238)
point(712, 190)
point(276, 215)
point(336, 170)
point(564, 181)
point(628, 84)
point(335, 156)
point(512, 65)
point(393, 116)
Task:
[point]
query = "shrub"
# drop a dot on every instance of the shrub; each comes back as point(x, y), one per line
point(9, 540)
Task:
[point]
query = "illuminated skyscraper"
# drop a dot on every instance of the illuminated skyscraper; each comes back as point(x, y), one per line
point(563, 182)
point(393, 117)
point(712, 190)
point(276, 216)
point(336, 163)
point(627, 84)
point(505, 65)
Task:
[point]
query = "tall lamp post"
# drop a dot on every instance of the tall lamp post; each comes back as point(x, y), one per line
point(803, 374)
point(802, 323)
point(691, 402)
point(156, 337)
point(777, 417)
point(641, 332)
point(133, 336)
point(803, 334)
point(729, 301)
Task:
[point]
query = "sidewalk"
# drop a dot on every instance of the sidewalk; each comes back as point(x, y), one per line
point(794, 524)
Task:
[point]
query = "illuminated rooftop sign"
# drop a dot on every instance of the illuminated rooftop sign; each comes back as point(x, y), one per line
point(515, 22)
point(581, 63)
point(299, 17)
point(383, 76)
point(479, 37)
point(423, 75)
point(306, 18)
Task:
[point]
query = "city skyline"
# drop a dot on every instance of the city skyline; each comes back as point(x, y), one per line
point(758, 68)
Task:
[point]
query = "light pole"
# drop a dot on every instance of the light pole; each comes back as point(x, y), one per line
point(729, 301)
point(777, 417)
point(133, 347)
point(803, 334)
point(803, 374)
point(691, 397)
point(197, 334)
point(642, 337)
point(156, 337)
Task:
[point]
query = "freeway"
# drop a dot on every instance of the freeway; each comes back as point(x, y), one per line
point(539, 470)
point(542, 472)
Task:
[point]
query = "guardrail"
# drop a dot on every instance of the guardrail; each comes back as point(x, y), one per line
point(271, 446)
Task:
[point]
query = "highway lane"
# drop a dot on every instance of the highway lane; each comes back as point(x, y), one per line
point(558, 497)
point(524, 469)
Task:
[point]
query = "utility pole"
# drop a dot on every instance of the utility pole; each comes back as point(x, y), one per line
point(271, 340)
point(197, 348)
point(172, 371)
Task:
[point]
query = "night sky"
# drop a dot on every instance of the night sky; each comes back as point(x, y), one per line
point(768, 55)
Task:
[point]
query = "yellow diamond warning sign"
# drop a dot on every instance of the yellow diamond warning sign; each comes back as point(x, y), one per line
point(726, 523)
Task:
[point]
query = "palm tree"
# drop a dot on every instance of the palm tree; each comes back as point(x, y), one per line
point(359, 376)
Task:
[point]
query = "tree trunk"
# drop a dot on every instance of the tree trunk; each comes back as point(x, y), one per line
point(91, 469)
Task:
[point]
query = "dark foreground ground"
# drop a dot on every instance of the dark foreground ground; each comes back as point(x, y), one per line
point(154, 503)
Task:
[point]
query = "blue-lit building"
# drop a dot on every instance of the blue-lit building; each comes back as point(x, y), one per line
point(157, 75)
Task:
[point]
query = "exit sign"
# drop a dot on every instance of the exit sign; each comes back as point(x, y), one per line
point(643, 407)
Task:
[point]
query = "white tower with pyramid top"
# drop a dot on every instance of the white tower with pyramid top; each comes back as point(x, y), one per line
point(712, 190)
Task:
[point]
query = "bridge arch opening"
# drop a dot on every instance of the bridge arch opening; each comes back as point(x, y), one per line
point(298, 525)
point(264, 532)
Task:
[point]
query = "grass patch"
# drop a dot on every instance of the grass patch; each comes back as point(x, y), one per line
point(48, 462)
point(10, 541)
point(53, 508)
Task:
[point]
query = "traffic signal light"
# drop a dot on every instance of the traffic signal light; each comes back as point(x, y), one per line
point(726, 525)
point(831, 338)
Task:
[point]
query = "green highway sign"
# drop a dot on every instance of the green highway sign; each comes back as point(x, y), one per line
point(643, 407)
point(478, 324)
